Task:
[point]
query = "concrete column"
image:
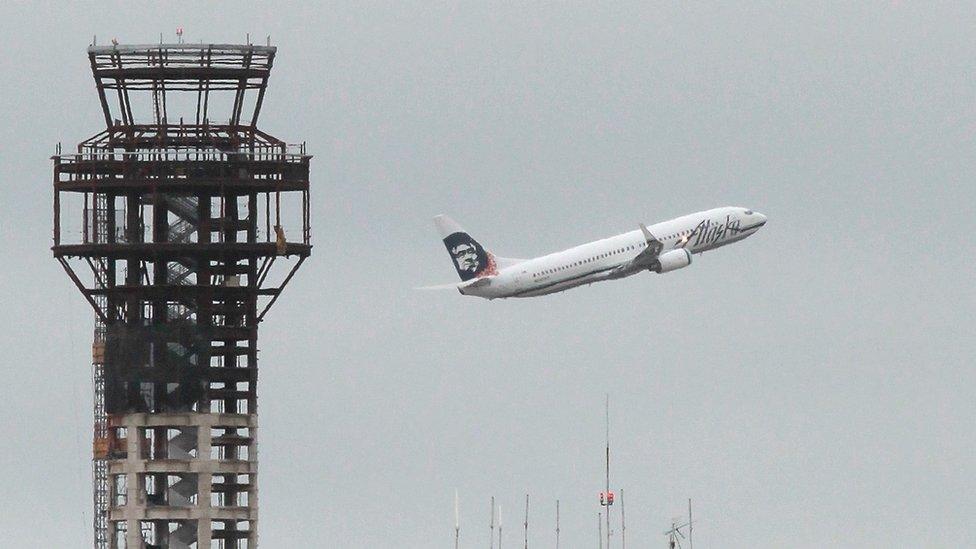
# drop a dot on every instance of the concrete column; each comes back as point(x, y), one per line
point(137, 508)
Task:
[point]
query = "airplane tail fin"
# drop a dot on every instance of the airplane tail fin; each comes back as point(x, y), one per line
point(471, 259)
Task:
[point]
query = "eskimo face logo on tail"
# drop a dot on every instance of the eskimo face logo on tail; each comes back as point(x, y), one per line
point(470, 259)
point(466, 257)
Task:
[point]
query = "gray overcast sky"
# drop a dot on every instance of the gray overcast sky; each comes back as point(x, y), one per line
point(809, 387)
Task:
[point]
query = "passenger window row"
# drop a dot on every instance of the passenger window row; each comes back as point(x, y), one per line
point(608, 254)
point(589, 260)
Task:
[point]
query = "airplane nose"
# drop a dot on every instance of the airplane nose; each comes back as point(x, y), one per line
point(761, 219)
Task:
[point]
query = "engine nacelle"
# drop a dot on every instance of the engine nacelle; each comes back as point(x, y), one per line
point(673, 260)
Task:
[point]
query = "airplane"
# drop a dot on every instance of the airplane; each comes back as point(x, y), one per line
point(661, 248)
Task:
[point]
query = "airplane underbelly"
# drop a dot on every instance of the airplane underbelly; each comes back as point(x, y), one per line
point(563, 285)
point(719, 243)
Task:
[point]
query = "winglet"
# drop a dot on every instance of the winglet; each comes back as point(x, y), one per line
point(647, 234)
point(654, 246)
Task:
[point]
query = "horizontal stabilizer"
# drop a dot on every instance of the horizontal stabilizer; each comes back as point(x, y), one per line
point(451, 286)
point(473, 283)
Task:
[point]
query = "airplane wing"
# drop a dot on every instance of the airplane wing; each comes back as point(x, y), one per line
point(647, 258)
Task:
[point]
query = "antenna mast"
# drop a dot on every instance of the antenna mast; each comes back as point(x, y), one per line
point(457, 523)
point(691, 544)
point(623, 522)
point(492, 525)
point(499, 527)
point(609, 494)
point(557, 524)
point(526, 524)
point(675, 535)
point(599, 525)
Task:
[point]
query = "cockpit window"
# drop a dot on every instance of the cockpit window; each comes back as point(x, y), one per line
point(748, 212)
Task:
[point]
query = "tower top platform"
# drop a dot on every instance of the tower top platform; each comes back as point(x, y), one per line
point(166, 84)
point(190, 47)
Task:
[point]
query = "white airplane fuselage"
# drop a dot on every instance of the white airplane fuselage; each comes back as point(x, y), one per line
point(618, 256)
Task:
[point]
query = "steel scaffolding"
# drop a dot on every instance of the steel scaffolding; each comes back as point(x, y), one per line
point(175, 231)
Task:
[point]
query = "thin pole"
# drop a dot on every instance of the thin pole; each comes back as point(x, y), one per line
point(691, 544)
point(599, 525)
point(608, 470)
point(623, 522)
point(557, 524)
point(526, 524)
point(492, 525)
point(499, 527)
point(457, 523)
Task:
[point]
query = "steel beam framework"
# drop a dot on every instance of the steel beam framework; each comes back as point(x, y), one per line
point(176, 234)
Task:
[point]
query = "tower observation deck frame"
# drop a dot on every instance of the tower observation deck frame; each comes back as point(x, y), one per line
point(180, 223)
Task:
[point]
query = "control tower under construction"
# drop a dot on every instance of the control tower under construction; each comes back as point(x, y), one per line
point(180, 222)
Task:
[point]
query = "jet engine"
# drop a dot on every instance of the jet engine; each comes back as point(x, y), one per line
point(673, 260)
